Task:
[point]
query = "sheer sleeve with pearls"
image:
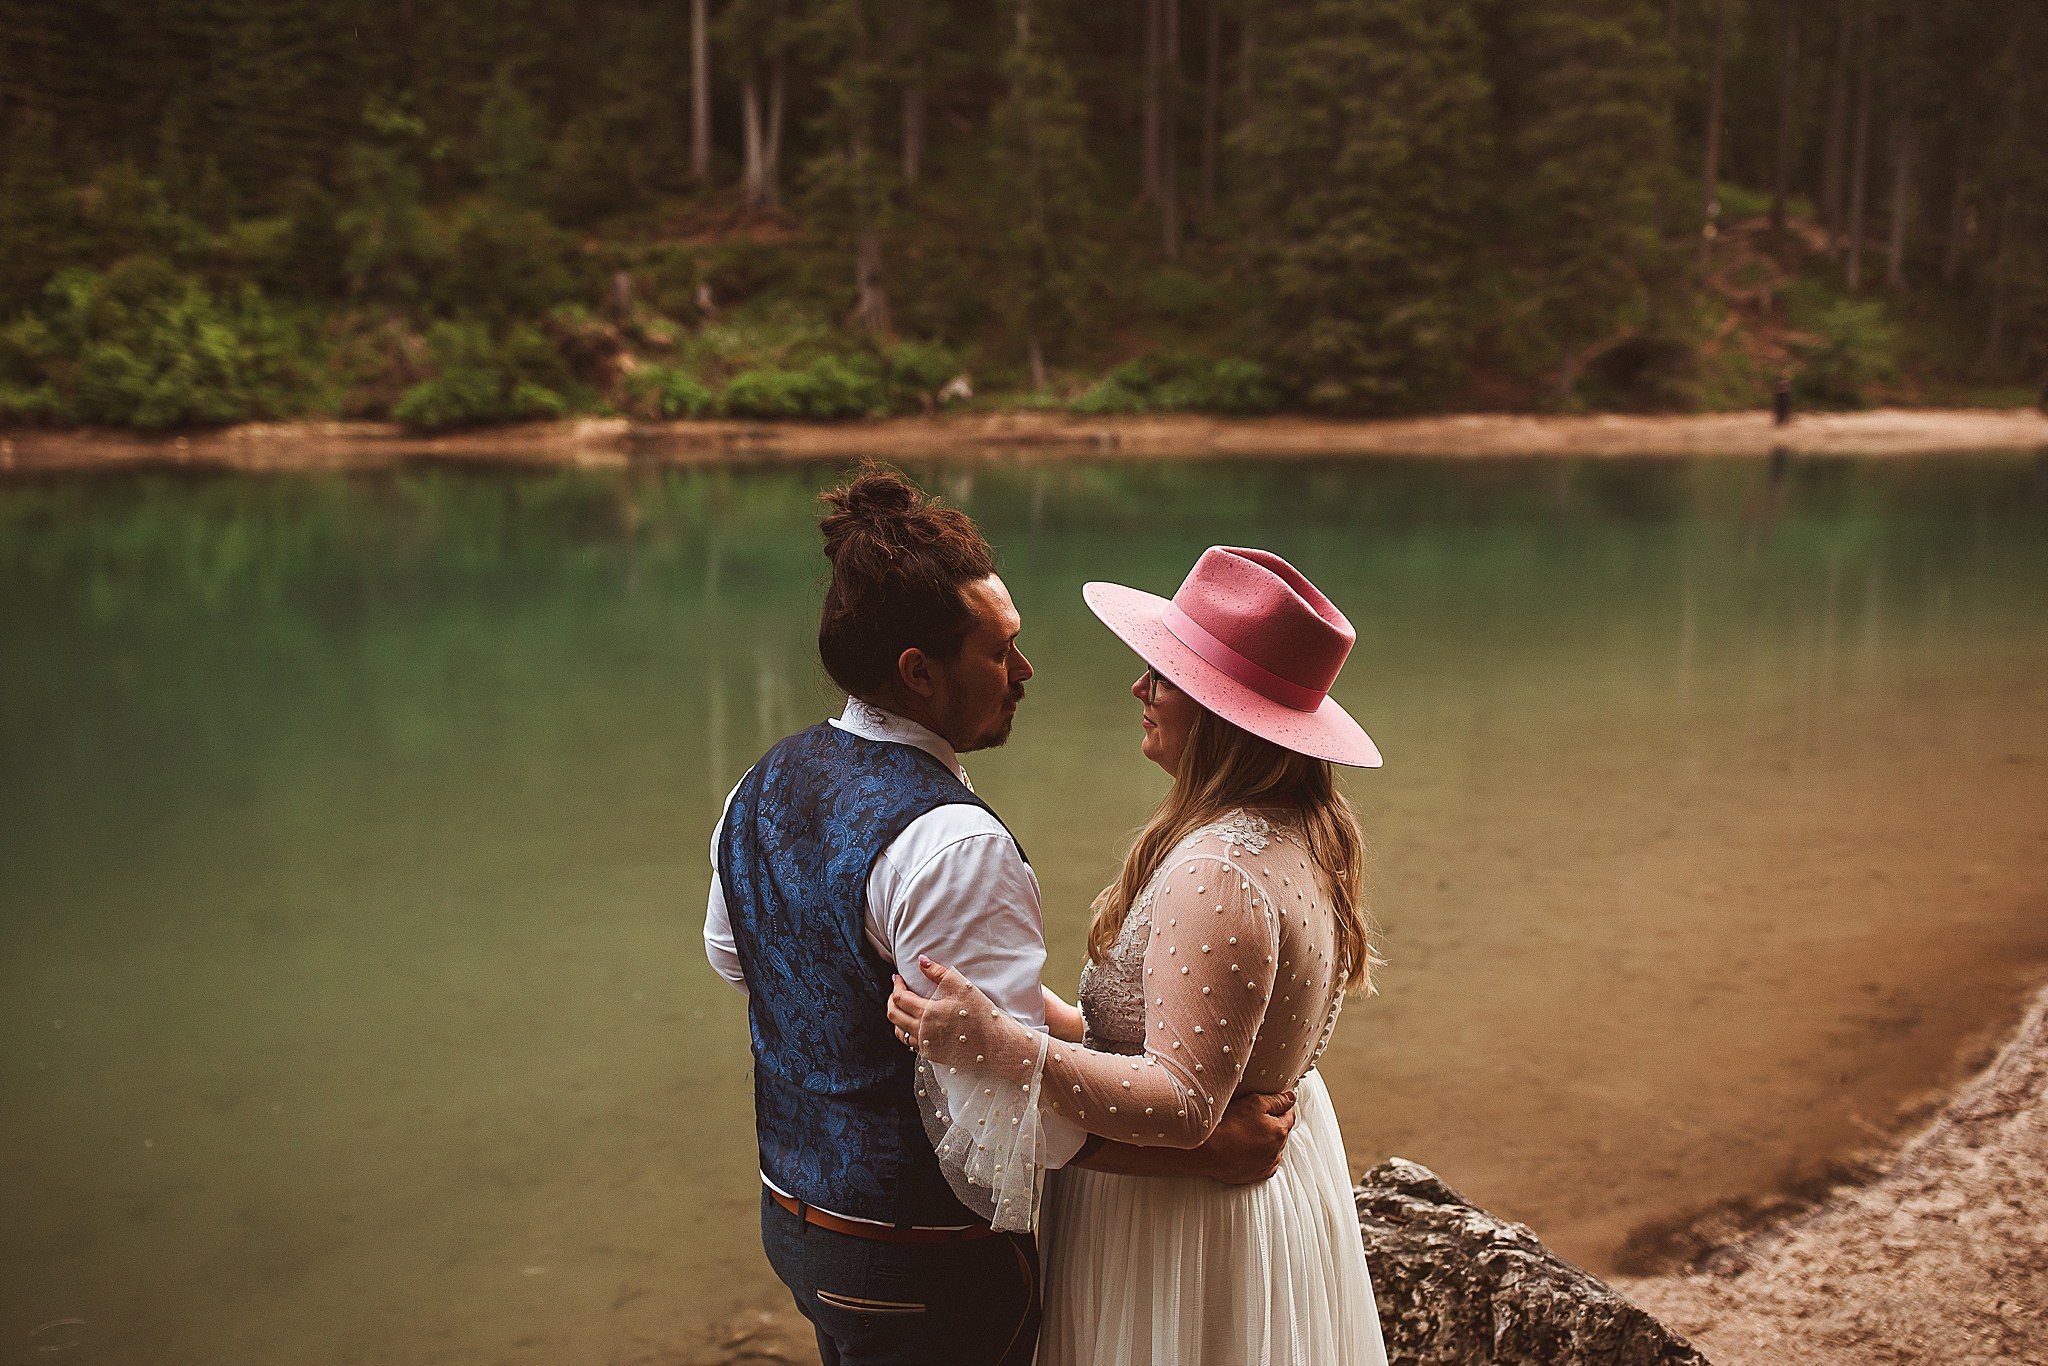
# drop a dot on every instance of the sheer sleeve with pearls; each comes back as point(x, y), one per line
point(1238, 989)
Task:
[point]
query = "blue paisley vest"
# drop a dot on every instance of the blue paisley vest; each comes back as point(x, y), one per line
point(834, 1102)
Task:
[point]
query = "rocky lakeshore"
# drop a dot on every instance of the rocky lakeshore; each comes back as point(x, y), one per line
point(1941, 1256)
point(615, 442)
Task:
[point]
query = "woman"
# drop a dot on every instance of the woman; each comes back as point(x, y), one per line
point(1216, 965)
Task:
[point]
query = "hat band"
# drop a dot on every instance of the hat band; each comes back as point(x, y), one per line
point(1235, 666)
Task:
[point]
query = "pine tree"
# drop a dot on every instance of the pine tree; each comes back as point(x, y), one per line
point(1043, 175)
point(1585, 168)
point(852, 183)
point(1371, 139)
point(510, 143)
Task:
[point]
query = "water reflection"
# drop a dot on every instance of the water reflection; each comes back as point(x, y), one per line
point(354, 832)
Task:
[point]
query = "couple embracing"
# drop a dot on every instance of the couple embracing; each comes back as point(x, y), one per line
point(957, 1165)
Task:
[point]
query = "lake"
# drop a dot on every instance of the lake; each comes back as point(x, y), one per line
point(355, 838)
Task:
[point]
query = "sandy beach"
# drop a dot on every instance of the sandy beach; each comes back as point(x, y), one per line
point(601, 442)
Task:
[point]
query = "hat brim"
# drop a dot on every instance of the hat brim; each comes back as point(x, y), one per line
point(1138, 620)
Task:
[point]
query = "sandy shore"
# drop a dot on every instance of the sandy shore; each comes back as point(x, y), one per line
point(604, 442)
point(1942, 1257)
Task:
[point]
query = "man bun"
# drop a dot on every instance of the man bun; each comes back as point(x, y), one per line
point(899, 559)
point(874, 513)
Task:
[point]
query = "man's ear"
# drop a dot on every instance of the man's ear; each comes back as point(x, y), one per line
point(914, 671)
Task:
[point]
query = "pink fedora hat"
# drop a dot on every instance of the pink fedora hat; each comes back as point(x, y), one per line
point(1251, 639)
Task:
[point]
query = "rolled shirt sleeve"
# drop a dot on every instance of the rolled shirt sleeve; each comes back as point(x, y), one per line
point(965, 897)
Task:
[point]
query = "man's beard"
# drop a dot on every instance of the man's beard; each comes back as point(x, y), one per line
point(999, 734)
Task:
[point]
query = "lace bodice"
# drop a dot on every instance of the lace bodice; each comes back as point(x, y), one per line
point(1112, 1003)
point(1112, 998)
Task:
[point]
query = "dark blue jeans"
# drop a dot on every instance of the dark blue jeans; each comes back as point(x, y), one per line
point(971, 1303)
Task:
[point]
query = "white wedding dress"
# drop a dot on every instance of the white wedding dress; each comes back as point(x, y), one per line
point(1223, 980)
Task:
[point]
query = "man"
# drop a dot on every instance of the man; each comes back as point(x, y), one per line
point(848, 851)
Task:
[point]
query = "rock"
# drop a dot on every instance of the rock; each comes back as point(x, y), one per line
point(1457, 1285)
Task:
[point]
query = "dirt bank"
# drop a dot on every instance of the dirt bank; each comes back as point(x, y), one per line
point(1943, 1257)
point(616, 441)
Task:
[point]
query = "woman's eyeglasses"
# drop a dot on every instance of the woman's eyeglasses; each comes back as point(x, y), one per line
point(1152, 680)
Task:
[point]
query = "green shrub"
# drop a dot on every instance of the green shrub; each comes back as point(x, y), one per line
point(506, 263)
point(742, 269)
point(1852, 348)
point(30, 404)
point(145, 345)
point(664, 391)
point(917, 370)
point(1188, 298)
point(1126, 389)
point(1239, 386)
point(485, 377)
point(1170, 383)
point(762, 393)
point(760, 337)
point(1739, 202)
point(125, 213)
point(827, 387)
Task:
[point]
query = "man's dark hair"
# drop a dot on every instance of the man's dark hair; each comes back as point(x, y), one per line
point(898, 562)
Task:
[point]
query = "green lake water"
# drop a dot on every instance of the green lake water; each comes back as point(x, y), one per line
point(354, 843)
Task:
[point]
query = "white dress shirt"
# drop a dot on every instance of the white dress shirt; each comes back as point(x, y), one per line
point(952, 886)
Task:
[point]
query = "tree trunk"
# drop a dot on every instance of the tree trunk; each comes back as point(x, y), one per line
point(700, 91)
point(1212, 101)
point(771, 151)
point(1148, 130)
point(1902, 204)
point(1859, 157)
point(1169, 141)
point(1247, 50)
point(1671, 45)
point(871, 300)
point(1788, 99)
point(753, 160)
point(1035, 352)
point(1835, 138)
point(859, 105)
point(1710, 167)
point(1958, 226)
point(1994, 327)
point(913, 130)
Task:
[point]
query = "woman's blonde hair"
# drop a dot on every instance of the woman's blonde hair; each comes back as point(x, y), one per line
point(1224, 767)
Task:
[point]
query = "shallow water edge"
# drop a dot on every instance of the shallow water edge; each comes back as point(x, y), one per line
point(1757, 1290)
point(604, 442)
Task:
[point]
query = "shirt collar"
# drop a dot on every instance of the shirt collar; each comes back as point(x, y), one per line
point(871, 722)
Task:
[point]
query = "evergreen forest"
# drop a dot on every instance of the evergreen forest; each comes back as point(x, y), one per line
point(450, 213)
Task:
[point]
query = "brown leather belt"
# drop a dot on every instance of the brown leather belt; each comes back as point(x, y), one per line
point(881, 1233)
